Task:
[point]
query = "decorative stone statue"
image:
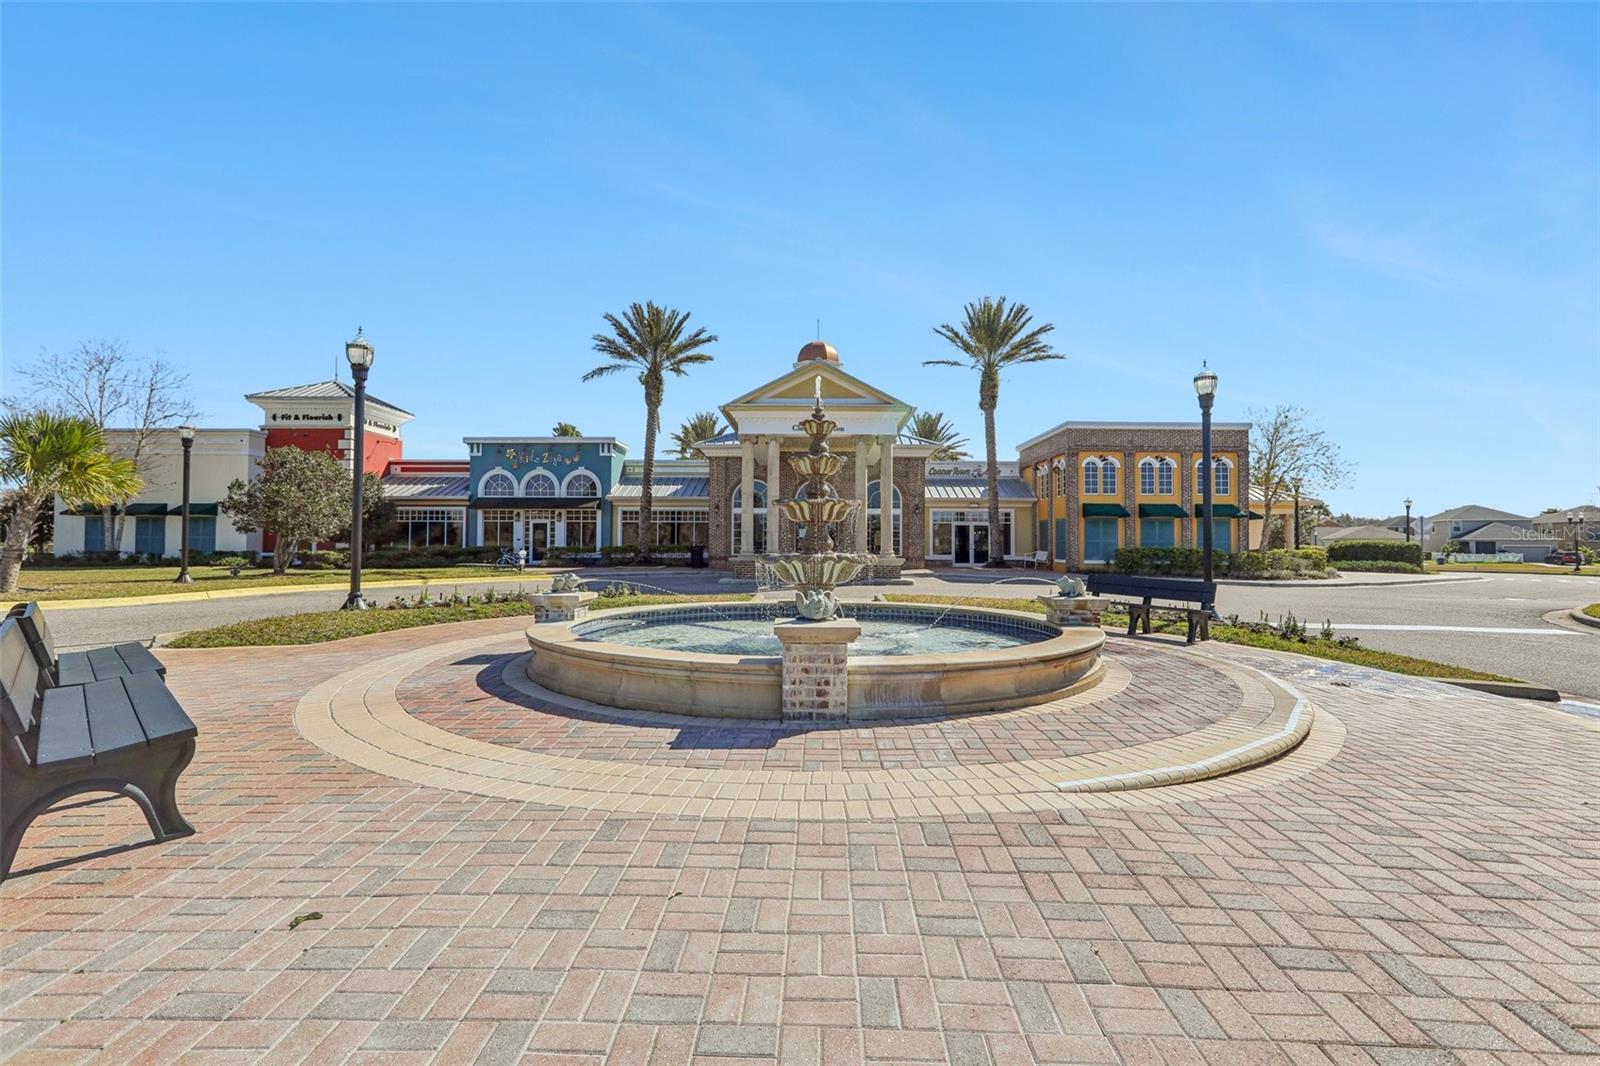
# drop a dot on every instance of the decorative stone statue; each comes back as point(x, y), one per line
point(566, 582)
point(816, 605)
point(1071, 587)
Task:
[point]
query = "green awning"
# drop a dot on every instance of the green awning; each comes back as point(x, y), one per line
point(1104, 510)
point(1160, 510)
point(147, 509)
point(196, 510)
point(1224, 510)
point(87, 510)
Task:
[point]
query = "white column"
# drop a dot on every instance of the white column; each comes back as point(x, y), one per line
point(886, 497)
point(861, 492)
point(774, 479)
point(747, 497)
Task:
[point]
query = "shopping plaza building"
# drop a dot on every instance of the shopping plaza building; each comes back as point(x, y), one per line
point(1069, 499)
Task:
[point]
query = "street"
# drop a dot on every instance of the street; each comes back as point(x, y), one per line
point(1493, 623)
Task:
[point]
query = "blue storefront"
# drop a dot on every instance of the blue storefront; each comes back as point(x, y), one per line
point(541, 492)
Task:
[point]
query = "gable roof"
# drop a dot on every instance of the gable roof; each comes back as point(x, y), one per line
point(1507, 531)
point(795, 388)
point(320, 390)
point(1359, 533)
point(1473, 512)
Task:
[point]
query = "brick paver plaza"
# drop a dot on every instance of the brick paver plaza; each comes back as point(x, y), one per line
point(500, 879)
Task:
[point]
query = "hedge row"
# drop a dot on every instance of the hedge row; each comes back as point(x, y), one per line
point(1379, 551)
point(1377, 566)
point(1190, 562)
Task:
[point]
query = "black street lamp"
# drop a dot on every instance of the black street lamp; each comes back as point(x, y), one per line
point(186, 435)
point(1408, 519)
point(1575, 523)
point(1297, 484)
point(359, 352)
point(1205, 386)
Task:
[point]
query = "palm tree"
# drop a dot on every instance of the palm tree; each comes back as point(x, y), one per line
point(933, 426)
point(44, 455)
point(653, 341)
point(565, 429)
point(992, 338)
point(702, 425)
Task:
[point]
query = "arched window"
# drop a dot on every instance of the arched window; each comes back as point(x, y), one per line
point(580, 483)
point(1108, 477)
point(1224, 473)
point(736, 512)
point(1164, 477)
point(497, 483)
point(1147, 477)
point(539, 483)
point(1091, 477)
point(875, 519)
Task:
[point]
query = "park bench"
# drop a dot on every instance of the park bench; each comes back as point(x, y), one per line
point(1196, 599)
point(126, 735)
point(80, 667)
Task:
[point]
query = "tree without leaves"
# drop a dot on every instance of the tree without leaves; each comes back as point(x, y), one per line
point(105, 383)
point(933, 426)
point(565, 429)
point(44, 454)
point(1286, 448)
point(652, 341)
point(300, 497)
point(700, 426)
point(994, 336)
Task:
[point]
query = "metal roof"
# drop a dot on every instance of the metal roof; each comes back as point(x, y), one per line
point(320, 390)
point(426, 486)
point(667, 486)
point(974, 488)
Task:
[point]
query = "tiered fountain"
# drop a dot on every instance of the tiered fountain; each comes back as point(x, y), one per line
point(768, 660)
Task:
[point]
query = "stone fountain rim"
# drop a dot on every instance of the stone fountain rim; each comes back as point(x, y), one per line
point(560, 634)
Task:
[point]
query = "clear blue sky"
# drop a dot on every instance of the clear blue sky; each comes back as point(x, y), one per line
point(1388, 215)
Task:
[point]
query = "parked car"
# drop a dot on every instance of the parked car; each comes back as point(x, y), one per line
point(1562, 558)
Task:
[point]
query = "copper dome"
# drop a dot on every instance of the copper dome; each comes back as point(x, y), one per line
point(818, 350)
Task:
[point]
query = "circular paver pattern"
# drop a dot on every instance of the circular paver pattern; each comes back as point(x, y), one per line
point(1195, 717)
point(477, 696)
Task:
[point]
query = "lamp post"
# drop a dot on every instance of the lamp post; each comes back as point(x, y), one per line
point(186, 435)
point(359, 352)
point(1408, 519)
point(1297, 484)
point(1205, 386)
point(1575, 523)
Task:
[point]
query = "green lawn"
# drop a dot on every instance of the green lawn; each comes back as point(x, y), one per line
point(1315, 646)
point(104, 582)
point(1593, 610)
point(318, 626)
point(1589, 569)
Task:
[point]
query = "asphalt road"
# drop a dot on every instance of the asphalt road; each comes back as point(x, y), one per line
point(1450, 621)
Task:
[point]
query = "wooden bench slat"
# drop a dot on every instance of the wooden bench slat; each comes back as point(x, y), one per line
point(136, 658)
point(64, 730)
point(160, 714)
point(106, 663)
point(74, 668)
point(113, 726)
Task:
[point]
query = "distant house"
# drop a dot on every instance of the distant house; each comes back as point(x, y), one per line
point(1461, 523)
point(1322, 536)
point(1522, 537)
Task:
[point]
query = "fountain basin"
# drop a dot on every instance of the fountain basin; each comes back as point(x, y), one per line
point(975, 659)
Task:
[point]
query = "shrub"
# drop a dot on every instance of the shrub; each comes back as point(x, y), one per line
point(326, 560)
point(619, 554)
point(435, 556)
point(1387, 551)
point(1278, 563)
point(1377, 566)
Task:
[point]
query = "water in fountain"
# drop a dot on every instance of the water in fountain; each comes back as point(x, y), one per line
point(987, 585)
point(712, 607)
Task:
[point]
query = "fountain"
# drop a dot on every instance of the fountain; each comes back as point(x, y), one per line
point(819, 660)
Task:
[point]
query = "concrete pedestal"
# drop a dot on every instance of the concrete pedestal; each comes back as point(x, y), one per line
point(816, 680)
point(561, 606)
point(1073, 610)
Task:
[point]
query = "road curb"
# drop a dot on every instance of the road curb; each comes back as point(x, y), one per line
point(281, 590)
point(1578, 616)
point(1516, 690)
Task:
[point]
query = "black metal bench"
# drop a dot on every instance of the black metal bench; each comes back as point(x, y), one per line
point(125, 735)
point(81, 667)
point(1168, 589)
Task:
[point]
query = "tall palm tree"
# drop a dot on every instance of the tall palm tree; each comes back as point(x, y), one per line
point(653, 341)
point(565, 429)
point(44, 455)
point(993, 337)
point(702, 425)
point(935, 427)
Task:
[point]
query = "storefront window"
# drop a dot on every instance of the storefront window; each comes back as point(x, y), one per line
point(1156, 532)
point(760, 509)
point(430, 527)
point(675, 527)
point(202, 533)
point(499, 529)
point(875, 520)
point(582, 527)
point(150, 535)
point(94, 534)
point(1099, 540)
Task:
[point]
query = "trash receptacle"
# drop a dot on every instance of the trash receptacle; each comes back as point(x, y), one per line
point(697, 557)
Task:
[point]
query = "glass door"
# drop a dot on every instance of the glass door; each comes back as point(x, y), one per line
point(980, 544)
point(962, 552)
point(537, 538)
